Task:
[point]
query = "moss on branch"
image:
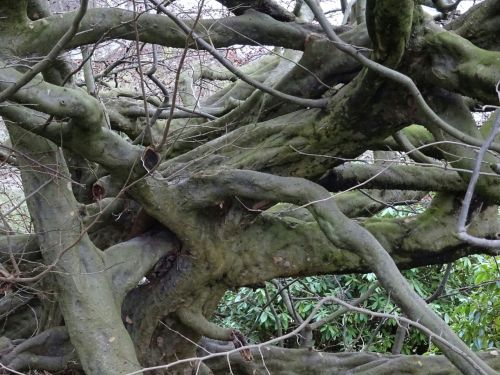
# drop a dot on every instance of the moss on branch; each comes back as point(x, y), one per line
point(458, 65)
point(87, 302)
point(250, 28)
point(281, 361)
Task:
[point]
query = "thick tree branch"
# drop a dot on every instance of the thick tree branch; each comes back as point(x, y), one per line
point(480, 24)
point(343, 232)
point(55, 100)
point(109, 149)
point(405, 177)
point(51, 350)
point(452, 108)
point(128, 262)
point(289, 243)
point(195, 320)
point(367, 202)
point(393, 75)
point(418, 136)
point(458, 65)
point(280, 361)
point(315, 103)
point(207, 190)
point(106, 23)
point(309, 80)
point(47, 60)
point(269, 7)
point(87, 301)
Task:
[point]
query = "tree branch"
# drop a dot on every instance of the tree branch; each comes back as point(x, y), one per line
point(454, 65)
point(111, 23)
point(195, 320)
point(280, 361)
point(395, 76)
point(343, 232)
point(269, 7)
point(480, 25)
point(405, 177)
point(128, 262)
point(87, 301)
point(464, 212)
point(47, 60)
point(109, 149)
point(316, 103)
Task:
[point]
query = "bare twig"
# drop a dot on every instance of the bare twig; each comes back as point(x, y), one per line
point(147, 130)
point(400, 335)
point(342, 310)
point(189, 34)
point(317, 103)
point(277, 319)
point(464, 212)
point(285, 296)
point(410, 149)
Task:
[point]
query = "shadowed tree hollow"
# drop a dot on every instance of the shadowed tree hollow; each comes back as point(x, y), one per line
point(172, 152)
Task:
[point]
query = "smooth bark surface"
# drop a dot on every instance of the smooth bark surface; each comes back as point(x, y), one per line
point(134, 241)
